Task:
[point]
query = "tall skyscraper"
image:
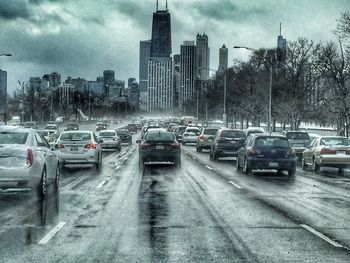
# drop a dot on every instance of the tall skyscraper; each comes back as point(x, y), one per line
point(161, 33)
point(203, 56)
point(281, 44)
point(3, 91)
point(223, 58)
point(145, 51)
point(160, 94)
point(54, 80)
point(188, 71)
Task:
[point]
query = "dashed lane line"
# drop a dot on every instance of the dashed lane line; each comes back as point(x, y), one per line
point(320, 235)
point(51, 234)
point(236, 185)
point(100, 184)
point(209, 167)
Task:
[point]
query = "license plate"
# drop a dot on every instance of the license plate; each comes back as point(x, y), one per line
point(74, 149)
point(273, 164)
point(159, 147)
point(341, 152)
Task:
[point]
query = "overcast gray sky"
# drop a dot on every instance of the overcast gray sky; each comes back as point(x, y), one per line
point(81, 38)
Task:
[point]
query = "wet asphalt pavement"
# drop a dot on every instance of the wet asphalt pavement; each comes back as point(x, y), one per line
point(204, 211)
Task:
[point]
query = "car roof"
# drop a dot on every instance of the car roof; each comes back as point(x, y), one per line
point(268, 135)
point(107, 131)
point(155, 130)
point(4, 128)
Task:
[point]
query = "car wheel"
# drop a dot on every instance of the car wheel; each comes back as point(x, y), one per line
point(341, 171)
point(303, 164)
point(199, 149)
point(291, 172)
point(246, 168)
point(215, 157)
point(237, 165)
point(177, 162)
point(183, 143)
point(316, 166)
point(42, 188)
point(99, 163)
point(210, 156)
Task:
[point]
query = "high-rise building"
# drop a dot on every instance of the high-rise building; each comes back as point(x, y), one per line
point(160, 85)
point(223, 58)
point(188, 71)
point(203, 56)
point(281, 44)
point(3, 91)
point(54, 80)
point(145, 51)
point(161, 33)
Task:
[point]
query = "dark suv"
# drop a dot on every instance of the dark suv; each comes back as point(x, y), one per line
point(226, 143)
point(132, 127)
point(101, 125)
point(299, 140)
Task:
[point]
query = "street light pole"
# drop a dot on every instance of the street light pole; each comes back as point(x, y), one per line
point(269, 122)
point(5, 110)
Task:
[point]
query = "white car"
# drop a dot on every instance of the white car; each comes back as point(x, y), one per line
point(79, 147)
point(190, 135)
point(26, 161)
point(111, 140)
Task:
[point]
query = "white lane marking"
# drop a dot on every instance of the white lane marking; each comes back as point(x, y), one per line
point(209, 167)
point(100, 184)
point(236, 185)
point(325, 238)
point(117, 167)
point(53, 232)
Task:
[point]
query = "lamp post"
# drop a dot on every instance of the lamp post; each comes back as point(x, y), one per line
point(270, 86)
point(5, 110)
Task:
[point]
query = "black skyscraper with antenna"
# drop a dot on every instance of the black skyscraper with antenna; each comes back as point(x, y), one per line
point(161, 33)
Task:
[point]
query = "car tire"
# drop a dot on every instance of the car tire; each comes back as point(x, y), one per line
point(177, 162)
point(316, 166)
point(183, 143)
point(291, 172)
point(303, 164)
point(210, 156)
point(238, 166)
point(340, 171)
point(98, 164)
point(42, 187)
point(246, 169)
point(199, 149)
point(215, 157)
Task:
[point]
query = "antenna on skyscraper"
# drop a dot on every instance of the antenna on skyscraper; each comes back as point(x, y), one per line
point(157, 6)
point(280, 29)
point(166, 5)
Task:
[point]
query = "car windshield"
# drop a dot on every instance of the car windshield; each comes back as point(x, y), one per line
point(271, 142)
point(298, 136)
point(75, 136)
point(335, 141)
point(13, 137)
point(107, 134)
point(159, 136)
point(233, 134)
point(209, 131)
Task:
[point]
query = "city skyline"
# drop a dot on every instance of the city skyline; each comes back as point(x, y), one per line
point(82, 38)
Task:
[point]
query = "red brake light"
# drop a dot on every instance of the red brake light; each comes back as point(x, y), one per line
point(144, 145)
point(291, 152)
point(90, 146)
point(175, 145)
point(61, 146)
point(29, 161)
point(251, 152)
point(201, 137)
point(328, 151)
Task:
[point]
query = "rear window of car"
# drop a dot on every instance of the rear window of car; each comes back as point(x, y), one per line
point(107, 134)
point(298, 136)
point(210, 131)
point(195, 131)
point(75, 136)
point(159, 136)
point(232, 134)
point(13, 137)
point(335, 141)
point(72, 124)
point(50, 127)
point(271, 142)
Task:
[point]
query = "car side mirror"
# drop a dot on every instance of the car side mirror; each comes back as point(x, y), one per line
point(138, 141)
point(131, 133)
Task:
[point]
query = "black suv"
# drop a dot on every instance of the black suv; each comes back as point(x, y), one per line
point(226, 143)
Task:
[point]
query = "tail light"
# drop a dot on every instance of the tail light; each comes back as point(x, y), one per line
point(327, 151)
point(145, 145)
point(201, 137)
point(115, 138)
point(251, 152)
point(61, 146)
point(29, 160)
point(291, 153)
point(90, 146)
point(175, 145)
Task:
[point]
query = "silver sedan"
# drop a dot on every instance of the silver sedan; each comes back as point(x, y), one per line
point(79, 147)
point(109, 140)
point(26, 161)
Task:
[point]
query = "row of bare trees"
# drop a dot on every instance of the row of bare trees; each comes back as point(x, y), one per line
point(310, 84)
